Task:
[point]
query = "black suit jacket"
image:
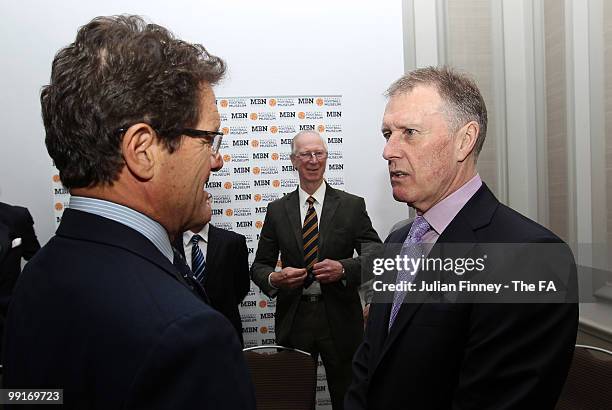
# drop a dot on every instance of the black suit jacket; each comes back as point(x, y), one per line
point(15, 222)
point(100, 313)
point(227, 279)
point(344, 227)
point(467, 356)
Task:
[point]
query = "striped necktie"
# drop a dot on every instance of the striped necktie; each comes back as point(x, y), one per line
point(198, 262)
point(411, 248)
point(186, 276)
point(310, 239)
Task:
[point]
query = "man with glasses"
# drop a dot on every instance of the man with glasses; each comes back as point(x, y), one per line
point(219, 260)
point(316, 228)
point(107, 311)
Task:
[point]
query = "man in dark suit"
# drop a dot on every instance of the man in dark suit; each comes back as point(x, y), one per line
point(220, 263)
point(316, 228)
point(456, 355)
point(105, 310)
point(17, 241)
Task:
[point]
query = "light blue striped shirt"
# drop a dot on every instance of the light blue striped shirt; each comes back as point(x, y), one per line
point(151, 230)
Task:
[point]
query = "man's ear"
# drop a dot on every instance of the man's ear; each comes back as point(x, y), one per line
point(140, 150)
point(466, 140)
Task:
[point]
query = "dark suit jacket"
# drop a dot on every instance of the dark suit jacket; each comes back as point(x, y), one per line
point(227, 272)
point(467, 356)
point(15, 222)
point(99, 312)
point(344, 226)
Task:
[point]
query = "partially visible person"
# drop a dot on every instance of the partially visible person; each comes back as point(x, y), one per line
point(17, 241)
point(317, 229)
point(218, 259)
point(106, 311)
point(456, 355)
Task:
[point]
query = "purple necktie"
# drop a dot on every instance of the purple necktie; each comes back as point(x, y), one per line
point(418, 229)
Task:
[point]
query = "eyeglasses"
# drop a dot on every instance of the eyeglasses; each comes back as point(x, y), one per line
point(306, 156)
point(214, 137)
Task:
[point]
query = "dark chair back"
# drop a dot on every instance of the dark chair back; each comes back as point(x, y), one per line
point(284, 378)
point(589, 382)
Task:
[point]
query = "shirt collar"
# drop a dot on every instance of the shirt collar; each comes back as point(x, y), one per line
point(187, 235)
point(442, 213)
point(129, 217)
point(318, 195)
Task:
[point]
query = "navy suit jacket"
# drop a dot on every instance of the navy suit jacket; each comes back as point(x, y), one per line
point(468, 356)
point(227, 279)
point(100, 313)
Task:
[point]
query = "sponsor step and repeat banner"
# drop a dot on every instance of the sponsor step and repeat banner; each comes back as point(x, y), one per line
point(256, 171)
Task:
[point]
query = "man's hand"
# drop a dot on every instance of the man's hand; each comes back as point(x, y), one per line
point(366, 314)
point(288, 278)
point(328, 271)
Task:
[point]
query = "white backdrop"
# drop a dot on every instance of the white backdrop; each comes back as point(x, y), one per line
point(274, 47)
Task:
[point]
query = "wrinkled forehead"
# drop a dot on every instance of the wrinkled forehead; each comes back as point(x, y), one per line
point(309, 142)
point(417, 105)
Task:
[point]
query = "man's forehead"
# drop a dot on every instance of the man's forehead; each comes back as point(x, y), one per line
point(420, 102)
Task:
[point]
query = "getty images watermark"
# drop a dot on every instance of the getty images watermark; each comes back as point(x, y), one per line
point(472, 273)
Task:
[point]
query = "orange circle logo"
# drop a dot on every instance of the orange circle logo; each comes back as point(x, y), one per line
point(225, 130)
point(319, 101)
point(276, 183)
point(224, 103)
point(258, 224)
point(254, 143)
point(257, 197)
point(263, 303)
point(272, 102)
point(227, 185)
point(59, 206)
point(253, 116)
point(301, 115)
point(256, 170)
point(321, 128)
point(56, 178)
point(227, 158)
point(229, 212)
point(264, 329)
point(274, 156)
point(274, 129)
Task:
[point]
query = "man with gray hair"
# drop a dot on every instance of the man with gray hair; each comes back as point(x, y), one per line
point(444, 355)
point(316, 228)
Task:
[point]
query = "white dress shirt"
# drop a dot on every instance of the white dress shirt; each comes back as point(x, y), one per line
point(203, 243)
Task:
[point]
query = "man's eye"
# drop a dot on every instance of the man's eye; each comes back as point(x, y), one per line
point(410, 132)
point(386, 135)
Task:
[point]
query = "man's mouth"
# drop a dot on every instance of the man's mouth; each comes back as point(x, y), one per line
point(397, 174)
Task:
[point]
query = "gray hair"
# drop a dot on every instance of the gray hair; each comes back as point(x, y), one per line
point(462, 99)
point(299, 134)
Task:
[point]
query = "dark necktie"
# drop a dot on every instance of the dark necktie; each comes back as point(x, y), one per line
point(186, 276)
point(310, 239)
point(198, 262)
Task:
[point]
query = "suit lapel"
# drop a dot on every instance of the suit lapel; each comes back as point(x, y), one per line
point(477, 213)
point(213, 245)
point(330, 204)
point(292, 207)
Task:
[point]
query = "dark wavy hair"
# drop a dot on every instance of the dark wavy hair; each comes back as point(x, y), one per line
point(120, 71)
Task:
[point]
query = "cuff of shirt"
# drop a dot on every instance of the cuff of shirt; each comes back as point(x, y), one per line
point(270, 282)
